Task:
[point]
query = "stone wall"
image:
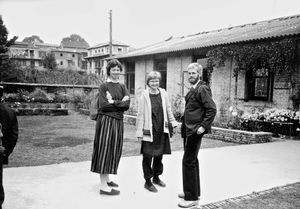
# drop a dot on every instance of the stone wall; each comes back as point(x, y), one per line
point(228, 135)
point(239, 136)
point(49, 88)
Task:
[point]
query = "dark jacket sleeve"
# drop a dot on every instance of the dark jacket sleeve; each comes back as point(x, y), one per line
point(209, 106)
point(10, 139)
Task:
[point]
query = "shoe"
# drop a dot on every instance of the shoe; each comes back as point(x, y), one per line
point(158, 182)
point(112, 192)
point(149, 186)
point(188, 204)
point(181, 195)
point(112, 184)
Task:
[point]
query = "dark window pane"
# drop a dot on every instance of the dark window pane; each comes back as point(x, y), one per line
point(261, 87)
point(161, 66)
point(130, 77)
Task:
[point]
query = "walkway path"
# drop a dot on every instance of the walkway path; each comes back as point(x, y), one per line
point(225, 173)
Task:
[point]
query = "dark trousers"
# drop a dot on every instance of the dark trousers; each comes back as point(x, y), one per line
point(1, 183)
point(190, 167)
point(152, 170)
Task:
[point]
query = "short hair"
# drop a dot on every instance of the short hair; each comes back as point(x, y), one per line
point(153, 75)
point(111, 64)
point(196, 66)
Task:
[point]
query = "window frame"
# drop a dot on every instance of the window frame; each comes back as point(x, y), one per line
point(161, 65)
point(130, 77)
point(251, 79)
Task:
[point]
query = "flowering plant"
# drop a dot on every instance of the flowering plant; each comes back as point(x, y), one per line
point(272, 115)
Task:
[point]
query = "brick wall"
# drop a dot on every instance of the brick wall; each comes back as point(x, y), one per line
point(238, 136)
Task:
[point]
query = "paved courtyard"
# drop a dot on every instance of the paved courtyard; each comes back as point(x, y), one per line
point(226, 172)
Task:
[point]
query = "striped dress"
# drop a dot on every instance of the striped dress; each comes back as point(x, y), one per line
point(108, 140)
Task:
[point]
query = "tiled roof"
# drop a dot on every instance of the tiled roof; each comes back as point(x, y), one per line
point(280, 27)
point(118, 43)
point(26, 44)
point(78, 45)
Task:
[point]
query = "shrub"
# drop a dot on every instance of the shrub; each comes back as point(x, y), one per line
point(40, 96)
point(177, 105)
point(61, 97)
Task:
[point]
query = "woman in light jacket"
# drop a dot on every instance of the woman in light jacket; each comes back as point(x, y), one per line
point(153, 120)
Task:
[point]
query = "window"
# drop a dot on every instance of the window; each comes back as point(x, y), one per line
point(31, 53)
point(120, 49)
point(73, 55)
point(61, 62)
point(160, 65)
point(61, 54)
point(70, 63)
point(130, 76)
point(259, 84)
point(84, 65)
point(42, 54)
point(32, 64)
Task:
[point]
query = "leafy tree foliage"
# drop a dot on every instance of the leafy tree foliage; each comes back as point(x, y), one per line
point(74, 40)
point(277, 56)
point(33, 39)
point(49, 61)
point(5, 64)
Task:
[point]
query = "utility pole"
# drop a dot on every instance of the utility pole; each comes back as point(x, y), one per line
point(110, 33)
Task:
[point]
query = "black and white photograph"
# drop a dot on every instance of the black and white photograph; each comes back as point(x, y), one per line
point(149, 104)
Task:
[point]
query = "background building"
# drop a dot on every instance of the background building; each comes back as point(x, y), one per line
point(255, 88)
point(98, 53)
point(31, 55)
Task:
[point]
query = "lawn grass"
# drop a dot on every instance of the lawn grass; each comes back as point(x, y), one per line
point(47, 140)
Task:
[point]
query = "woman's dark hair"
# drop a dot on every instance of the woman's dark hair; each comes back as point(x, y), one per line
point(113, 63)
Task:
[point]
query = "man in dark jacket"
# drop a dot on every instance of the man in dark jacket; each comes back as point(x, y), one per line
point(200, 111)
point(9, 130)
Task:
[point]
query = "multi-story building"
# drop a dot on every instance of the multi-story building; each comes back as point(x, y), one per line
point(81, 49)
point(98, 53)
point(31, 55)
point(66, 59)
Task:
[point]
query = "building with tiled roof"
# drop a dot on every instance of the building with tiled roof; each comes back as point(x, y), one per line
point(269, 29)
point(26, 54)
point(244, 91)
point(98, 53)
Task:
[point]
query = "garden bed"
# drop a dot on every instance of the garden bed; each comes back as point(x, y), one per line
point(277, 128)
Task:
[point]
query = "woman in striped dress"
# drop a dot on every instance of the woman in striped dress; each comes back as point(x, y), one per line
point(113, 101)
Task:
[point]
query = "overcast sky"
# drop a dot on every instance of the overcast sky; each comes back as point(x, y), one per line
point(135, 22)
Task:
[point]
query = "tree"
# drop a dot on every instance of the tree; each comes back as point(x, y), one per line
point(33, 39)
point(49, 61)
point(5, 64)
point(75, 41)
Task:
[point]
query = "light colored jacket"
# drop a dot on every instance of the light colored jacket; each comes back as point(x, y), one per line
point(144, 116)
